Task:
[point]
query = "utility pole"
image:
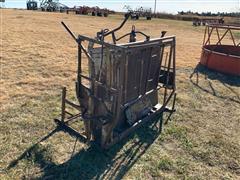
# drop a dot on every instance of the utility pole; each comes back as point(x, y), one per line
point(155, 6)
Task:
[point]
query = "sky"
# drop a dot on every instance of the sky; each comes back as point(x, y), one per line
point(169, 6)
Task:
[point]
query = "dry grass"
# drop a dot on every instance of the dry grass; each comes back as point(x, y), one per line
point(201, 142)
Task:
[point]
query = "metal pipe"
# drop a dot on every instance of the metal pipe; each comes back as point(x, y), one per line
point(119, 27)
point(63, 103)
point(69, 31)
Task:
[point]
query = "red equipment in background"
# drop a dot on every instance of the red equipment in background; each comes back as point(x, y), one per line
point(221, 48)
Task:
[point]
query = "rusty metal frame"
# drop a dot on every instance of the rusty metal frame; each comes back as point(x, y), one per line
point(219, 55)
point(209, 31)
point(111, 131)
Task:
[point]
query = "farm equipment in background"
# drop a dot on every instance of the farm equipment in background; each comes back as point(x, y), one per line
point(221, 48)
point(145, 12)
point(94, 11)
point(206, 21)
point(79, 10)
point(52, 6)
point(2, 4)
point(32, 5)
point(126, 85)
point(139, 12)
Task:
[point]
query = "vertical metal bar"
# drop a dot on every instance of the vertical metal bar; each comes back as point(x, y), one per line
point(101, 63)
point(148, 70)
point(209, 36)
point(126, 77)
point(232, 37)
point(63, 103)
point(79, 69)
point(205, 35)
point(110, 69)
point(174, 75)
point(161, 123)
point(174, 101)
point(160, 63)
point(223, 36)
point(113, 38)
point(165, 65)
point(161, 57)
point(162, 47)
point(168, 70)
point(218, 35)
point(165, 95)
point(165, 62)
point(141, 76)
point(174, 64)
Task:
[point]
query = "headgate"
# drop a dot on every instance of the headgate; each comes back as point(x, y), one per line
point(126, 85)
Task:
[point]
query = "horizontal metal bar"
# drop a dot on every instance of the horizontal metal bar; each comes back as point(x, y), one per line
point(73, 117)
point(86, 53)
point(230, 26)
point(85, 77)
point(156, 44)
point(88, 89)
point(165, 67)
point(162, 40)
point(83, 38)
point(113, 90)
point(139, 123)
point(138, 98)
point(72, 104)
point(70, 130)
point(219, 53)
point(68, 113)
point(165, 40)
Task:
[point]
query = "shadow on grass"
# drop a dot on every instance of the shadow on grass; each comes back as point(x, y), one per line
point(227, 80)
point(94, 163)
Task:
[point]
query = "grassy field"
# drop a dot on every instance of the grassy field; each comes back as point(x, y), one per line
point(202, 140)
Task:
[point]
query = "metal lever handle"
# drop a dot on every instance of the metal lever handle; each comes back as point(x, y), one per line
point(104, 33)
point(69, 31)
point(121, 25)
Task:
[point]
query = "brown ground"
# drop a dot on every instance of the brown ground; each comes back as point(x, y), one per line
point(38, 58)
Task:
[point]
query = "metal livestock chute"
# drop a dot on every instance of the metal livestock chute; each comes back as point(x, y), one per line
point(126, 85)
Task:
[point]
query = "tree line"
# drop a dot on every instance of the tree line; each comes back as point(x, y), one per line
point(230, 14)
